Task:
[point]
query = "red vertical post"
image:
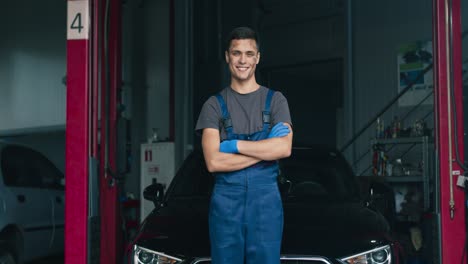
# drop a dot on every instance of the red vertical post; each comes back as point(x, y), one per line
point(77, 132)
point(111, 233)
point(96, 47)
point(447, 39)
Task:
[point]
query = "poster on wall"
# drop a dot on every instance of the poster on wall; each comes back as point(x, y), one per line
point(413, 58)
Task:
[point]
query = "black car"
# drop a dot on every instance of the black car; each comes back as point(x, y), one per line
point(325, 220)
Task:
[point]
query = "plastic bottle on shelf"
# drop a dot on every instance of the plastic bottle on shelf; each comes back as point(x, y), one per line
point(154, 136)
point(398, 169)
point(396, 126)
point(377, 128)
point(382, 128)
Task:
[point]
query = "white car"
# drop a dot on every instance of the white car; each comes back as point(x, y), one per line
point(32, 203)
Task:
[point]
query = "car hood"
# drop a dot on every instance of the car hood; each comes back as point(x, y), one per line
point(332, 230)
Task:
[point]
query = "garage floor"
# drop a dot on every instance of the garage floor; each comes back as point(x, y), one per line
point(49, 260)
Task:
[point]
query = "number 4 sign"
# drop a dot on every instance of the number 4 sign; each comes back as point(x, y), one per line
point(78, 19)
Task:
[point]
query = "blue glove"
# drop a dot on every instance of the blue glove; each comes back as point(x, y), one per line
point(229, 146)
point(279, 130)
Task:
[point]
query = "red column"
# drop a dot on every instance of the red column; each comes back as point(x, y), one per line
point(111, 233)
point(452, 215)
point(77, 132)
point(88, 65)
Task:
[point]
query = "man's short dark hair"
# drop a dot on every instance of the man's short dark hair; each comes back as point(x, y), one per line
point(242, 33)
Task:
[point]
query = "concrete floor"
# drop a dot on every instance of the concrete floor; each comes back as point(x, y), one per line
point(49, 260)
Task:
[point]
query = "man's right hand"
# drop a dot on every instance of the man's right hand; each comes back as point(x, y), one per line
point(279, 130)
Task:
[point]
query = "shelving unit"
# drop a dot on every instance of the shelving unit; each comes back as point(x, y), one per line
point(413, 149)
point(404, 179)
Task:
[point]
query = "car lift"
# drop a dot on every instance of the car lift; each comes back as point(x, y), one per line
point(93, 82)
point(448, 91)
point(92, 215)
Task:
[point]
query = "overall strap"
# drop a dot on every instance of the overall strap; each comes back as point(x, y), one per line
point(226, 120)
point(266, 114)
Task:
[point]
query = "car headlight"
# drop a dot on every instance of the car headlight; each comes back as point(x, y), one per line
point(143, 255)
point(381, 255)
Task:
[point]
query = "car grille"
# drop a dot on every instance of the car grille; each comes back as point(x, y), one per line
point(304, 260)
point(284, 260)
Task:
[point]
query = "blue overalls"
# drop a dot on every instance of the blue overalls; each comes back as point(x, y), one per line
point(246, 213)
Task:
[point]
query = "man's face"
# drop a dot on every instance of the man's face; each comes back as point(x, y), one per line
point(242, 58)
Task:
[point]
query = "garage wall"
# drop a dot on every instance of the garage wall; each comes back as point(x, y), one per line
point(301, 31)
point(303, 47)
point(156, 39)
point(183, 79)
point(145, 75)
point(33, 64)
point(378, 29)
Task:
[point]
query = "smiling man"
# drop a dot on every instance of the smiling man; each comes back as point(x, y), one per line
point(245, 129)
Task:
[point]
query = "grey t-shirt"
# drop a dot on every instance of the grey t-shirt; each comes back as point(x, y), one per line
point(245, 110)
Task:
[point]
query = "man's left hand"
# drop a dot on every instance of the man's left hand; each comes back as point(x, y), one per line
point(229, 146)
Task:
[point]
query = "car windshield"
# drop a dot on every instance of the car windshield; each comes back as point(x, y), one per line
point(318, 173)
point(312, 173)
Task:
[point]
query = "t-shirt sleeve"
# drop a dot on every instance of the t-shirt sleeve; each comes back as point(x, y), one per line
point(209, 115)
point(280, 109)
